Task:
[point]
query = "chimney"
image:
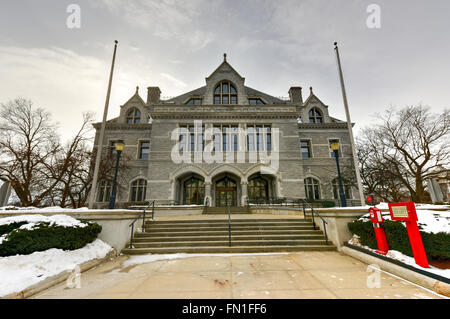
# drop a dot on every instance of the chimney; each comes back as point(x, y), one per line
point(153, 95)
point(295, 94)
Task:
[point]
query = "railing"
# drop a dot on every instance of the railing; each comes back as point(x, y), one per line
point(286, 202)
point(312, 216)
point(143, 214)
point(229, 225)
point(292, 203)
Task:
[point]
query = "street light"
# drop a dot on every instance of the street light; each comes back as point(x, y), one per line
point(119, 148)
point(335, 147)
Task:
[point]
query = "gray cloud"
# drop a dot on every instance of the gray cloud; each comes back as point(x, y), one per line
point(176, 44)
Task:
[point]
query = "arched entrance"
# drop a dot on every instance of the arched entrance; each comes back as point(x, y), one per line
point(190, 189)
point(261, 188)
point(226, 192)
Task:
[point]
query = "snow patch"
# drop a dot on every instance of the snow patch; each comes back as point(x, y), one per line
point(21, 271)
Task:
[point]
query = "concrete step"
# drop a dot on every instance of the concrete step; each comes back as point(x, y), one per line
point(225, 238)
point(225, 224)
point(226, 249)
point(225, 232)
point(153, 229)
point(222, 220)
point(219, 243)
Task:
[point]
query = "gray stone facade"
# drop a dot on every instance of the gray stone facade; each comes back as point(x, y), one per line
point(239, 177)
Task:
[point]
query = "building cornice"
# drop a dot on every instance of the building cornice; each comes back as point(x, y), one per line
point(323, 125)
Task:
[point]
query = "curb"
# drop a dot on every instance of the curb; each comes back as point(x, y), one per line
point(57, 279)
point(413, 276)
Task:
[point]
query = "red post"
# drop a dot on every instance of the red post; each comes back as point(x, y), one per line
point(377, 220)
point(406, 212)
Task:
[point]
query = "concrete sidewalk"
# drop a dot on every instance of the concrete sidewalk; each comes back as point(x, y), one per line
point(294, 275)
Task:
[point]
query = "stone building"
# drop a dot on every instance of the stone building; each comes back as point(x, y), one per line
point(227, 143)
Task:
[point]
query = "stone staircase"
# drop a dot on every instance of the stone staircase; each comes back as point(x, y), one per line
point(211, 236)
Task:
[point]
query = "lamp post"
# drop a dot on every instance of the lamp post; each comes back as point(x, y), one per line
point(335, 147)
point(119, 148)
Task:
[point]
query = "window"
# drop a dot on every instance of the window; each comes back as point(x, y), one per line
point(255, 101)
point(312, 190)
point(188, 140)
point(225, 93)
point(346, 186)
point(305, 148)
point(194, 101)
point(104, 191)
point(144, 149)
point(258, 189)
point(228, 138)
point(259, 138)
point(134, 116)
point(315, 116)
point(138, 190)
point(194, 191)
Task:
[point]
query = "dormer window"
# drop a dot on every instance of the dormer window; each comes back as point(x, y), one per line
point(315, 116)
point(134, 116)
point(256, 101)
point(194, 101)
point(225, 93)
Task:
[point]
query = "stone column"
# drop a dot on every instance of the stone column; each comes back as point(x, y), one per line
point(208, 193)
point(244, 193)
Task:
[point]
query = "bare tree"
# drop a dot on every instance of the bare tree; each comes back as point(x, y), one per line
point(406, 148)
point(42, 171)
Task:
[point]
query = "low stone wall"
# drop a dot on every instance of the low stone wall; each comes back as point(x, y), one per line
point(115, 224)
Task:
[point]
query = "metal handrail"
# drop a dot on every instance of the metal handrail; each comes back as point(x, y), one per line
point(312, 215)
point(229, 225)
point(143, 214)
point(294, 202)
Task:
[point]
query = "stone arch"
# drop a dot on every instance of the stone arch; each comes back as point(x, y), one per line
point(227, 168)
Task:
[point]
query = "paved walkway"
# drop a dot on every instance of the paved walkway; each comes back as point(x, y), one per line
point(293, 275)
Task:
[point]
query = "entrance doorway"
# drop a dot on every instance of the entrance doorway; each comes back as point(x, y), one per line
point(226, 192)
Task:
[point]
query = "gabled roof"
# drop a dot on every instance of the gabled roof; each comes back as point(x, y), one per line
point(136, 97)
point(269, 98)
point(200, 92)
point(180, 99)
point(313, 96)
point(225, 65)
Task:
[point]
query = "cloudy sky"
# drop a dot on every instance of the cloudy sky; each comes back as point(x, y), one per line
point(176, 44)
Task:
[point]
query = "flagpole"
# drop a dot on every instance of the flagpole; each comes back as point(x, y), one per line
point(350, 129)
point(102, 133)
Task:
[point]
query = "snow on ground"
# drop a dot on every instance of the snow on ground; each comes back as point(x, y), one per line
point(430, 221)
point(394, 254)
point(143, 259)
point(32, 220)
point(21, 271)
point(55, 220)
point(52, 209)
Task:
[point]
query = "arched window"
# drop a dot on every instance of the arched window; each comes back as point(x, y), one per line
point(225, 93)
point(134, 116)
point(138, 190)
point(312, 190)
point(258, 189)
point(315, 116)
point(194, 191)
point(104, 191)
point(347, 189)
